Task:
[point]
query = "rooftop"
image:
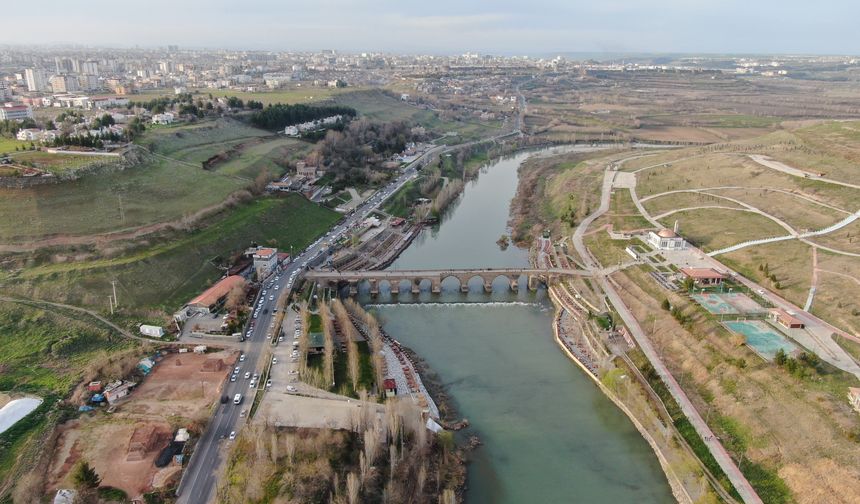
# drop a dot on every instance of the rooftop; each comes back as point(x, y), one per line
point(702, 273)
point(211, 295)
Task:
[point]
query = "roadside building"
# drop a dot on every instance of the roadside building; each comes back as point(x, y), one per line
point(36, 80)
point(213, 297)
point(152, 331)
point(703, 276)
point(265, 261)
point(786, 319)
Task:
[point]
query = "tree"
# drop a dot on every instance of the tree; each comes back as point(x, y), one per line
point(780, 357)
point(666, 305)
point(85, 477)
point(235, 297)
point(689, 283)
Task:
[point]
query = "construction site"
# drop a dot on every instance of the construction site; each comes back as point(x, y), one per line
point(136, 442)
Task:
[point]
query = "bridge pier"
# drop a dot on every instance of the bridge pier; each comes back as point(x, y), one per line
point(533, 283)
point(374, 287)
point(515, 284)
point(353, 287)
point(436, 285)
point(416, 287)
point(395, 287)
point(488, 286)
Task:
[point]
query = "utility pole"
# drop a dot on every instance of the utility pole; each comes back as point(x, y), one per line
point(116, 302)
point(121, 210)
point(110, 303)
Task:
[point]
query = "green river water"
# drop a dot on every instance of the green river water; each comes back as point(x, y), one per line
point(549, 434)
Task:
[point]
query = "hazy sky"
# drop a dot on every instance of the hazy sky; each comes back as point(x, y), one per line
point(447, 26)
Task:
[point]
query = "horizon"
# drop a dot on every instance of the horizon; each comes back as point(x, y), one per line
point(503, 28)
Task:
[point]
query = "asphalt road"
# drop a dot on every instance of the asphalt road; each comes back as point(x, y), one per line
point(200, 480)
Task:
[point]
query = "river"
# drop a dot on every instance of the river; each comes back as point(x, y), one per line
point(549, 434)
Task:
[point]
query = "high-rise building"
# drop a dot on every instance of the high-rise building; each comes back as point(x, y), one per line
point(64, 84)
point(89, 82)
point(5, 92)
point(90, 67)
point(36, 80)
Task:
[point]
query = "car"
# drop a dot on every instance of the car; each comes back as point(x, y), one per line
point(252, 384)
point(280, 338)
point(233, 378)
point(269, 384)
point(277, 287)
point(255, 376)
point(243, 413)
point(237, 369)
point(274, 360)
point(271, 298)
point(232, 435)
point(241, 359)
point(237, 399)
point(247, 374)
point(256, 315)
point(294, 371)
point(292, 389)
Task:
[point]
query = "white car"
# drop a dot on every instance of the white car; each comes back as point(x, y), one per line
point(293, 371)
point(269, 384)
point(277, 287)
point(292, 389)
point(237, 368)
point(252, 384)
point(241, 359)
point(272, 297)
point(232, 435)
point(233, 378)
point(274, 360)
point(247, 375)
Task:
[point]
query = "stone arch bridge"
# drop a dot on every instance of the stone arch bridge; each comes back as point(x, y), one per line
point(395, 278)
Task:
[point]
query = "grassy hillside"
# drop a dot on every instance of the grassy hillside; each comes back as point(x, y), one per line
point(165, 274)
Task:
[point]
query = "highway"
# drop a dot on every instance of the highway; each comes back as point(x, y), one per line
point(200, 478)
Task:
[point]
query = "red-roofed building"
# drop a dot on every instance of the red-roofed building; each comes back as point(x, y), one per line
point(265, 261)
point(390, 387)
point(15, 112)
point(704, 276)
point(214, 296)
point(786, 319)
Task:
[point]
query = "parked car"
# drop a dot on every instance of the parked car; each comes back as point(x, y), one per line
point(232, 435)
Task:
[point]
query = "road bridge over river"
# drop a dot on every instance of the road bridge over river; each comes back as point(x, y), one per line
point(396, 278)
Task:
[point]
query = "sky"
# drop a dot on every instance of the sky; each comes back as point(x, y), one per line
point(524, 27)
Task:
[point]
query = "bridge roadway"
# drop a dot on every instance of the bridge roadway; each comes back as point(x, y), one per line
point(394, 278)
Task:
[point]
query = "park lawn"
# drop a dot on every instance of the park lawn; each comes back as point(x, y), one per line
point(832, 148)
point(606, 250)
point(799, 213)
point(846, 239)
point(166, 274)
point(790, 261)
point(152, 192)
point(715, 228)
point(623, 213)
point(8, 145)
point(677, 201)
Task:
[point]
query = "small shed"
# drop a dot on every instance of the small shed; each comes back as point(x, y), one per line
point(390, 387)
point(786, 319)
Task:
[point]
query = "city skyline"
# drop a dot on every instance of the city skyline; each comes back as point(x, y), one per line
point(506, 28)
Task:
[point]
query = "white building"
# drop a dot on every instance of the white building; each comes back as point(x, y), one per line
point(165, 118)
point(666, 239)
point(265, 261)
point(36, 79)
point(15, 112)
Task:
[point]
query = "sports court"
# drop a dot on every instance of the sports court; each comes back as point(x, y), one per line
point(728, 303)
point(761, 337)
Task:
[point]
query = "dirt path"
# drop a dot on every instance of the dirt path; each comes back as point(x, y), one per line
point(813, 284)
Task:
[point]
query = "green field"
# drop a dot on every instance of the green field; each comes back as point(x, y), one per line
point(165, 275)
point(7, 145)
point(156, 190)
